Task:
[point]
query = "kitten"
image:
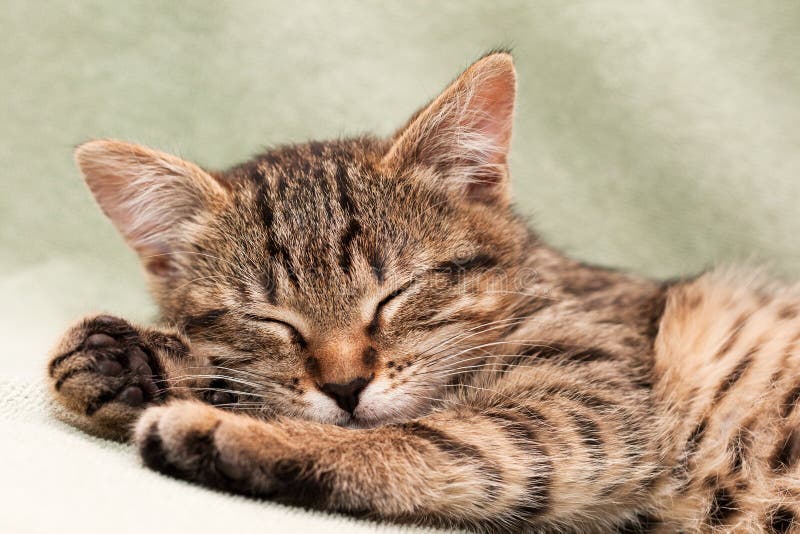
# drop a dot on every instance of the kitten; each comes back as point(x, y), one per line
point(366, 326)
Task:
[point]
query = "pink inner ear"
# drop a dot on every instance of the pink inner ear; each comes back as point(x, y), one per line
point(123, 198)
point(148, 195)
point(465, 133)
point(491, 116)
point(491, 112)
point(114, 194)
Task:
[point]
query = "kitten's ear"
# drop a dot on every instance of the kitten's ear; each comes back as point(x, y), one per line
point(465, 133)
point(148, 195)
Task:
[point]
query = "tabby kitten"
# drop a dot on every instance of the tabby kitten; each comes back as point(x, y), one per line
point(366, 326)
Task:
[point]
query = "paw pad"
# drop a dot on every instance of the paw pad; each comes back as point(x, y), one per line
point(108, 365)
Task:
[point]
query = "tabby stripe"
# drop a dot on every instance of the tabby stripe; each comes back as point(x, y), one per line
point(346, 258)
point(637, 443)
point(568, 353)
point(378, 265)
point(370, 356)
point(696, 437)
point(325, 189)
point(459, 316)
point(723, 506)
point(154, 455)
point(781, 520)
point(632, 342)
point(273, 248)
point(458, 266)
point(263, 206)
point(441, 323)
point(537, 496)
point(787, 452)
point(790, 349)
point(344, 191)
point(590, 355)
point(549, 352)
point(734, 376)
point(459, 450)
point(198, 444)
point(640, 524)
point(533, 306)
point(513, 425)
point(230, 362)
point(593, 401)
point(692, 444)
point(790, 401)
point(282, 183)
point(300, 482)
point(282, 256)
point(530, 414)
point(584, 285)
point(733, 336)
point(513, 327)
point(739, 446)
point(590, 436)
point(195, 323)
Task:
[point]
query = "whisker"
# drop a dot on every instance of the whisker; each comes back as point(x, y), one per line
point(486, 355)
point(184, 378)
point(223, 390)
point(447, 357)
point(469, 333)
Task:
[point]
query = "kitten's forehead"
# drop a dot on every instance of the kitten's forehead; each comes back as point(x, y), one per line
point(327, 227)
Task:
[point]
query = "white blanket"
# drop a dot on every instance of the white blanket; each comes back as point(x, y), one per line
point(57, 479)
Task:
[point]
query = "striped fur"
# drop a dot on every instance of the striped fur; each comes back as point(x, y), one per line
point(366, 326)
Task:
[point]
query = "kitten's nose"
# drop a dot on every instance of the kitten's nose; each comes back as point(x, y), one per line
point(346, 395)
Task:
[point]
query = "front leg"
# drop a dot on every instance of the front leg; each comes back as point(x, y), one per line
point(508, 467)
point(106, 371)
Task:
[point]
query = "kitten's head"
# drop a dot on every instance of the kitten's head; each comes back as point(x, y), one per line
point(346, 281)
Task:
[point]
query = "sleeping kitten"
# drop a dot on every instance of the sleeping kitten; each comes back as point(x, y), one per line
point(366, 326)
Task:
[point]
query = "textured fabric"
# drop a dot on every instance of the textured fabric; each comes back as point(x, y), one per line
point(662, 136)
point(57, 479)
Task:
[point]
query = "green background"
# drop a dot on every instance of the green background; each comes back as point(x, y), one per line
point(658, 136)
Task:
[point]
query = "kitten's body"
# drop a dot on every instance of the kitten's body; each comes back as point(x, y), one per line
point(410, 350)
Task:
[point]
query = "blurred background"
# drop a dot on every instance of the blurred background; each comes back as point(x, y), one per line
point(662, 137)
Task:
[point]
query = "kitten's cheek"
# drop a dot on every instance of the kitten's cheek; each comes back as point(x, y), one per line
point(382, 402)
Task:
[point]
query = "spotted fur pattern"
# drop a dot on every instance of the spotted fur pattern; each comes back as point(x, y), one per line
point(366, 326)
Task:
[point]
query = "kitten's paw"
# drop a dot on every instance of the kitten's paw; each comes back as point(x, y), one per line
point(194, 441)
point(102, 369)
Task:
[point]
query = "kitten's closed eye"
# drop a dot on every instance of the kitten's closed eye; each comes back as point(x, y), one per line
point(290, 328)
point(376, 317)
